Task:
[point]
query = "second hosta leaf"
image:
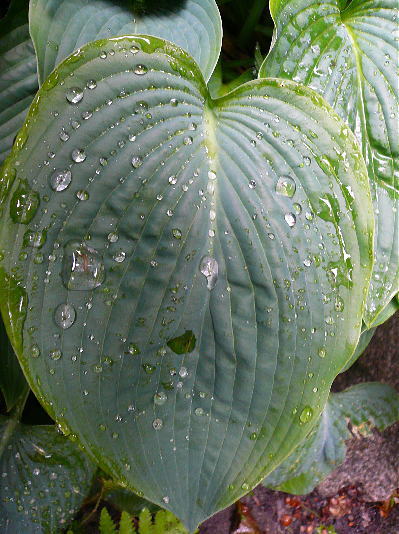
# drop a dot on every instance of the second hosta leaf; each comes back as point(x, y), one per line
point(350, 57)
point(194, 271)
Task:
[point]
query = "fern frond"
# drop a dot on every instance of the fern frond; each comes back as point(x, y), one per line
point(145, 522)
point(126, 524)
point(107, 526)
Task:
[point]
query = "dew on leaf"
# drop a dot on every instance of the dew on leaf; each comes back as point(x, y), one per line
point(113, 237)
point(120, 256)
point(35, 239)
point(91, 84)
point(82, 267)
point(306, 414)
point(290, 219)
point(157, 424)
point(137, 161)
point(140, 70)
point(55, 354)
point(74, 95)
point(24, 203)
point(65, 316)
point(78, 155)
point(60, 180)
point(285, 186)
point(160, 398)
point(82, 194)
point(210, 269)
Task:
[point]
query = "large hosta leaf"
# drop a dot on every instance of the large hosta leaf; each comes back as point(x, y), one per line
point(44, 478)
point(18, 78)
point(350, 57)
point(59, 27)
point(191, 272)
point(365, 406)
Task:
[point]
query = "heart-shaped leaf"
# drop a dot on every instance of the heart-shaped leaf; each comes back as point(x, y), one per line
point(12, 381)
point(350, 57)
point(365, 406)
point(44, 478)
point(59, 27)
point(194, 268)
point(18, 78)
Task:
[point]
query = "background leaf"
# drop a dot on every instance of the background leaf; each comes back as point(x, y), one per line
point(350, 57)
point(365, 405)
point(45, 478)
point(59, 27)
point(18, 78)
point(163, 212)
point(12, 381)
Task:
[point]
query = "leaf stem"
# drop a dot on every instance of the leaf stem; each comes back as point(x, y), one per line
point(248, 28)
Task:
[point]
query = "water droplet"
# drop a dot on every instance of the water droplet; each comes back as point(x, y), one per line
point(188, 141)
point(63, 135)
point(82, 194)
point(24, 203)
point(74, 95)
point(322, 352)
point(298, 208)
point(212, 175)
point(160, 398)
point(307, 160)
point(35, 351)
point(113, 237)
point(245, 486)
point(271, 236)
point(91, 84)
point(199, 411)
point(78, 155)
point(174, 102)
point(306, 414)
point(36, 471)
point(65, 316)
point(55, 354)
point(60, 180)
point(140, 70)
point(176, 233)
point(120, 256)
point(252, 184)
point(307, 262)
point(210, 269)
point(285, 186)
point(157, 424)
point(169, 213)
point(83, 267)
point(183, 372)
point(137, 161)
point(172, 179)
point(290, 219)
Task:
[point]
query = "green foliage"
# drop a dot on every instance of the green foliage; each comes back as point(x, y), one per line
point(163, 522)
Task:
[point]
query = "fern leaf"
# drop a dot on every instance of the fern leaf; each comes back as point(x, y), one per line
point(126, 524)
point(160, 521)
point(145, 522)
point(107, 526)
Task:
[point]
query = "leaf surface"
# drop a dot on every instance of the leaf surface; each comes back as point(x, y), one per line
point(165, 216)
point(44, 478)
point(365, 406)
point(350, 57)
point(59, 27)
point(18, 78)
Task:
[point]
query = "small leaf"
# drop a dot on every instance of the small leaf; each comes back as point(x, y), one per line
point(59, 27)
point(12, 381)
point(348, 53)
point(45, 478)
point(18, 73)
point(107, 526)
point(366, 405)
point(183, 344)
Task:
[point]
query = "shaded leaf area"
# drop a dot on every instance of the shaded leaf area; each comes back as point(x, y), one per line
point(365, 406)
point(350, 57)
point(45, 478)
point(164, 212)
point(13, 385)
point(18, 73)
point(59, 27)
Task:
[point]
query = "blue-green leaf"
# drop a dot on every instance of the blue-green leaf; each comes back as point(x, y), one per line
point(365, 406)
point(244, 223)
point(59, 27)
point(18, 78)
point(350, 57)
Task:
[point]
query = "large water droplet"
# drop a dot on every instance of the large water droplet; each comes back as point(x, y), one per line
point(210, 269)
point(65, 316)
point(286, 186)
point(290, 219)
point(160, 398)
point(24, 203)
point(74, 95)
point(34, 238)
point(306, 414)
point(78, 155)
point(82, 268)
point(140, 70)
point(137, 161)
point(60, 180)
